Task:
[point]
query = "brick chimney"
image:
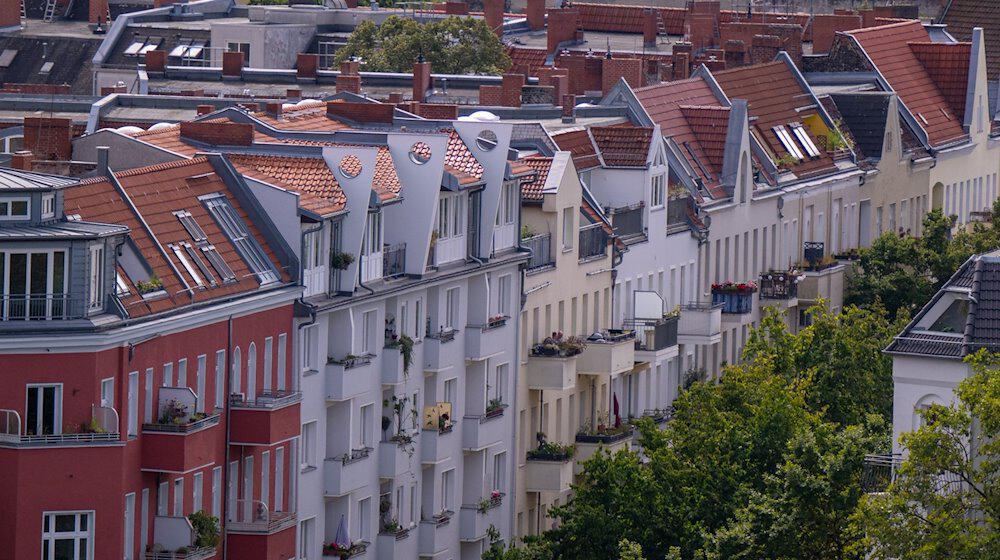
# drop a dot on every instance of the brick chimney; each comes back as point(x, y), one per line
point(293, 95)
point(764, 48)
point(568, 108)
point(350, 67)
point(493, 13)
point(22, 160)
point(218, 133)
point(536, 14)
point(456, 8)
point(306, 65)
point(510, 90)
point(205, 109)
point(49, 138)
point(232, 64)
point(350, 83)
point(361, 112)
point(563, 26)
point(421, 79)
point(682, 66)
point(650, 27)
point(735, 53)
point(273, 110)
point(97, 13)
point(614, 69)
point(651, 72)
point(156, 61)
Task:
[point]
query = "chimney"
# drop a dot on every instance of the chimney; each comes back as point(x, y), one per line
point(22, 160)
point(614, 69)
point(251, 107)
point(421, 79)
point(682, 66)
point(735, 53)
point(156, 61)
point(218, 133)
point(294, 95)
point(49, 138)
point(306, 65)
point(764, 48)
point(350, 67)
point(273, 110)
point(651, 72)
point(113, 89)
point(103, 167)
point(205, 109)
point(493, 13)
point(456, 8)
point(568, 108)
point(562, 26)
point(97, 16)
point(232, 64)
point(536, 14)
point(361, 112)
point(650, 27)
point(395, 98)
point(510, 90)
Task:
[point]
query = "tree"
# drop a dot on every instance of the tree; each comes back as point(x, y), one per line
point(452, 45)
point(945, 499)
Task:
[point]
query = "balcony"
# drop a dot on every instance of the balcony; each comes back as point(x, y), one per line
point(700, 324)
point(480, 432)
point(824, 281)
point(348, 377)
point(173, 539)
point(551, 368)
point(396, 458)
point(476, 519)
point(253, 516)
point(780, 287)
point(655, 340)
point(593, 242)
point(541, 252)
point(394, 260)
point(627, 222)
point(588, 443)
point(441, 352)
point(437, 534)
point(395, 370)
point(484, 341)
point(549, 468)
point(253, 531)
point(612, 353)
point(270, 418)
point(436, 444)
point(879, 471)
point(40, 307)
point(401, 543)
point(345, 474)
point(734, 298)
point(180, 445)
point(102, 430)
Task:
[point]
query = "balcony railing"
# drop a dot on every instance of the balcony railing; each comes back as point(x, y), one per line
point(880, 470)
point(104, 420)
point(541, 250)
point(734, 302)
point(184, 427)
point(653, 335)
point(253, 516)
point(677, 213)
point(627, 220)
point(779, 285)
point(813, 252)
point(267, 399)
point(593, 241)
point(394, 260)
point(39, 307)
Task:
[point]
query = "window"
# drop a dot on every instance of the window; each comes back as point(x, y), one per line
point(13, 144)
point(7, 57)
point(178, 496)
point(313, 255)
point(147, 405)
point(191, 225)
point(240, 47)
point(786, 140)
point(195, 51)
point(68, 535)
point(199, 383)
point(373, 234)
point(162, 498)
point(805, 140)
point(369, 332)
point(367, 428)
point(236, 374)
point(248, 248)
point(449, 391)
point(364, 521)
point(198, 491)
point(656, 192)
point(306, 530)
point(35, 284)
point(43, 413)
point(121, 288)
point(152, 43)
point(48, 205)
point(568, 226)
point(500, 472)
point(309, 348)
point(96, 285)
point(447, 490)
point(182, 372)
point(308, 458)
point(218, 263)
point(417, 319)
point(186, 264)
point(133, 404)
point(509, 203)
point(326, 51)
point(252, 372)
point(265, 478)
point(217, 491)
point(181, 48)
point(279, 479)
point(498, 390)
point(192, 255)
point(444, 204)
point(220, 378)
point(134, 47)
point(503, 305)
point(268, 362)
point(282, 345)
point(452, 308)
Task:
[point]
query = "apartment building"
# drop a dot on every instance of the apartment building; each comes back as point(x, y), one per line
point(405, 344)
point(147, 320)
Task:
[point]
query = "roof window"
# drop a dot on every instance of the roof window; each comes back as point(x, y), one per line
point(805, 140)
point(7, 57)
point(246, 245)
point(786, 140)
point(136, 46)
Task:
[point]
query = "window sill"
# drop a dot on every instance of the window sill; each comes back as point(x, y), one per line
point(309, 372)
point(306, 469)
point(567, 249)
point(659, 208)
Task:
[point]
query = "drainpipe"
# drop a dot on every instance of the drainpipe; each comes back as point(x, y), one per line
point(225, 469)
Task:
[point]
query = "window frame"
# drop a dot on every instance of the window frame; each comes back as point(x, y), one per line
point(50, 535)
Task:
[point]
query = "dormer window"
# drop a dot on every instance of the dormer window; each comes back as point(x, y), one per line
point(95, 299)
point(953, 319)
point(805, 140)
point(786, 140)
point(48, 206)
point(246, 245)
point(656, 192)
point(15, 208)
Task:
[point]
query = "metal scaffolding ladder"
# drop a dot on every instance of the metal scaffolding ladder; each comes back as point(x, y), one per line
point(23, 15)
point(50, 11)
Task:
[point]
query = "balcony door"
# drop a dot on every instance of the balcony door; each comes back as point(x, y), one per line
point(314, 264)
point(43, 413)
point(371, 249)
point(33, 285)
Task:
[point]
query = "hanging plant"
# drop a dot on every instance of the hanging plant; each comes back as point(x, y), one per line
point(340, 261)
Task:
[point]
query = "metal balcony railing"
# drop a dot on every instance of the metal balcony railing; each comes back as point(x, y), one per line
point(627, 220)
point(653, 335)
point(779, 285)
point(541, 250)
point(253, 516)
point(593, 241)
point(105, 419)
point(269, 399)
point(39, 307)
point(394, 260)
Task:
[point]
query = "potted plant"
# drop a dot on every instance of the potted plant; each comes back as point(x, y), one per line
point(340, 260)
point(154, 284)
point(559, 346)
point(494, 407)
point(496, 321)
point(206, 529)
point(549, 451)
point(405, 345)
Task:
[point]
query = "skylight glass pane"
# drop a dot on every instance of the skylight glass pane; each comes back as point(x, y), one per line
point(191, 225)
point(193, 255)
point(218, 263)
point(187, 265)
point(136, 45)
point(151, 43)
point(787, 142)
point(180, 49)
point(246, 246)
point(120, 285)
point(195, 50)
point(7, 57)
point(806, 141)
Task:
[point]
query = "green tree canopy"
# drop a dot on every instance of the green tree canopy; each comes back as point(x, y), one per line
point(452, 45)
point(945, 500)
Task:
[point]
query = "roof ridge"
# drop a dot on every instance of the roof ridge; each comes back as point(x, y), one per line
point(161, 166)
point(865, 30)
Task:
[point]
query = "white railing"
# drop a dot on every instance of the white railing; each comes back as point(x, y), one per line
point(254, 516)
point(449, 249)
point(315, 280)
point(371, 266)
point(504, 236)
point(105, 418)
point(269, 399)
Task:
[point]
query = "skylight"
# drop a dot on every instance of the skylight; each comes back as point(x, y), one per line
point(136, 46)
point(7, 57)
point(181, 48)
point(246, 245)
point(805, 140)
point(786, 140)
point(151, 44)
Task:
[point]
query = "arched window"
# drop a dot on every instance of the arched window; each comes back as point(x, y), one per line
point(237, 369)
point(744, 187)
point(920, 417)
point(252, 372)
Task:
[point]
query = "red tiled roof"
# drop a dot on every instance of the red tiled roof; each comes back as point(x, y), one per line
point(622, 146)
point(532, 190)
point(310, 115)
point(888, 47)
point(964, 15)
point(619, 18)
point(948, 66)
point(526, 59)
point(663, 104)
point(709, 125)
point(157, 192)
point(167, 139)
point(310, 177)
point(578, 143)
point(775, 98)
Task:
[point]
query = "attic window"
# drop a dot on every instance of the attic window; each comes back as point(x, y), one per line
point(786, 140)
point(121, 288)
point(195, 50)
point(193, 255)
point(151, 44)
point(191, 225)
point(46, 68)
point(181, 48)
point(135, 47)
point(246, 245)
point(805, 140)
point(7, 57)
point(953, 319)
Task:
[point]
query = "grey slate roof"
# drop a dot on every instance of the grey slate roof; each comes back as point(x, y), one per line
point(865, 115)
point(980, 275)
point(61, 230)
point(17, 180)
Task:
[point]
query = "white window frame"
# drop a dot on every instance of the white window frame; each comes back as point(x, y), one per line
point(40, 399)
point(48, 205)
point(7, 208)
point(568, 228)
point(453, 308)
point(178, 503)
point(307, 454)
point(281, 383)
point(51, 536)
point(217, 492)
point(786, 140)
point(656, 194)
point(220, 378)
point(95, 277)
point(198, 492)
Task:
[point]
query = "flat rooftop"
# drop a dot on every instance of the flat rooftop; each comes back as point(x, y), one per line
point(59, 28)
point(598, 41)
